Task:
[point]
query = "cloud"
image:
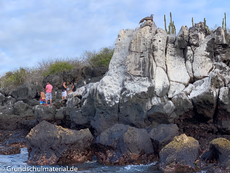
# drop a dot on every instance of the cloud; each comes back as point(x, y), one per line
point(31, 31)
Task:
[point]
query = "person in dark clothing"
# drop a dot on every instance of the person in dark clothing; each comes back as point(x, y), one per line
point(73, 88)
point(64, 93)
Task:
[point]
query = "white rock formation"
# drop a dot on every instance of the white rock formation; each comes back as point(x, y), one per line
point(175, 62)
point(202, 64)
point(161, 82)
point(148, 68)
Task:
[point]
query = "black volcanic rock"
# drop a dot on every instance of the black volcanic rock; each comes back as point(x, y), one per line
point(49, 144)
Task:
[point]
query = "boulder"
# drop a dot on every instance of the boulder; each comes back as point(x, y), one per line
point(31, 102)
point(219, 152)
point(121, 145)
point(202, 63)
point(189, 58)
point(175, 62)
point(9, 122)
point(16, 117)
point(175, 88)
point(20, 108)
point(15, 138)
point(183, 151)
point(204, 97)
point(162, 135)
point(223, 119)
point(44, 113)
point(159, 48)
point(62, 117)
point(161, 82)
point(134, 106)
point(9, 101)
point(5, 91)
point(59, 114)
point(200, 86)
point(72, 100)
point(27, 91)
point(84, 115)
point(49, 144)
point(188, 89)
point(197, 34)
point(161, 113)
point(2, 99)
point(220, 37)
point(182, 103)
point(205, 103)
point(79, 91)
point(80, 118)
point(182, 38)
point(55, 81)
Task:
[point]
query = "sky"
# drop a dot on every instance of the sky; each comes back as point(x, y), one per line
point(35, 30)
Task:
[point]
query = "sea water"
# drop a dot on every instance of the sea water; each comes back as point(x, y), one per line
point(17, 163)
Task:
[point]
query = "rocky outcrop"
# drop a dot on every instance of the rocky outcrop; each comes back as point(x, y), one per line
point(182, 152)
point(156, 78)
point(122, 144)
point(49, 144)
point(157, 87)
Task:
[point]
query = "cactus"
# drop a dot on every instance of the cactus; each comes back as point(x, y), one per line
point(205, 25)
point(224, 23)
point(165, 23)
point(171, 27)
point(192, 22)
point(170, 17)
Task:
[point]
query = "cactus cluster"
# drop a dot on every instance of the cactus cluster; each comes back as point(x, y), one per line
point(192, 22)
point(206, 26)
point(171, 27)
point(224, 23)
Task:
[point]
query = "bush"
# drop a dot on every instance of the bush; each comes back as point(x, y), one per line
point(102, 58)
point(14, 79)
point(58, 67)
point(36, 74)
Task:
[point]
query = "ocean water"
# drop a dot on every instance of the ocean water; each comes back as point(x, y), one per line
point(17, 163)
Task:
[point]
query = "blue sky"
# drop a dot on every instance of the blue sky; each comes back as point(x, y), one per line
point(36, 30)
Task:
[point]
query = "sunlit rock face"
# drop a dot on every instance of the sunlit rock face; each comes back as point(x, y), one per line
point(152, 74)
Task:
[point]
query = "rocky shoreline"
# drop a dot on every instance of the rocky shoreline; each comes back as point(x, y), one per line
point(164, 98)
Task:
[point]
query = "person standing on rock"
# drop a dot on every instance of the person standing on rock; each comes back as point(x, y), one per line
point(64, 93)
point(49, 88)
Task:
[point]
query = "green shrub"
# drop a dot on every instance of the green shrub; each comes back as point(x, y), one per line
point(58, 67)
point(102, 58)
point(14, 78)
